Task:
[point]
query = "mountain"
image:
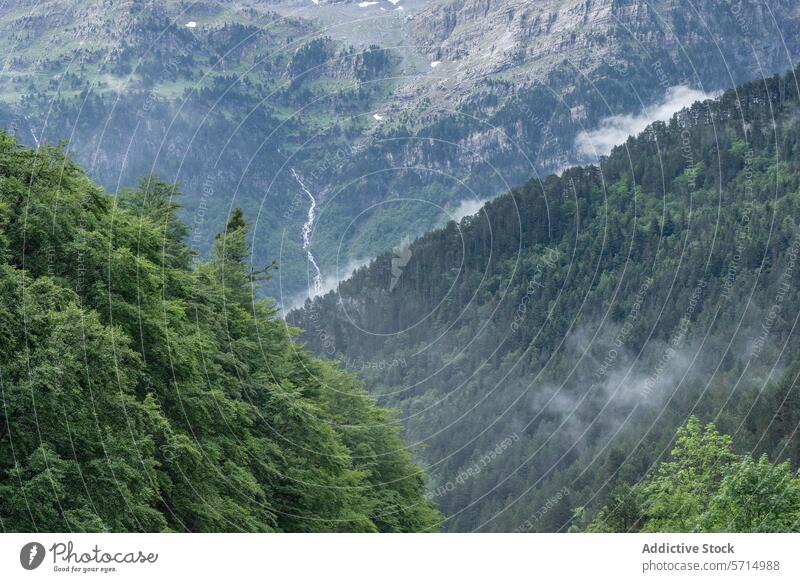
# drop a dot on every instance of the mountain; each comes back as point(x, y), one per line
point(587, 337)
point(544, 351)
point(514, 85)
point(145, 391)
point(389, 117)
point(528, 40)
point(225, 98)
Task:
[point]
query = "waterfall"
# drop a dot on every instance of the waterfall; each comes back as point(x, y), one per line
point(309, 224)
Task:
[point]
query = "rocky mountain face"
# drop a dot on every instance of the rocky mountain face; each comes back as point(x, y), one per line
point(529, 39)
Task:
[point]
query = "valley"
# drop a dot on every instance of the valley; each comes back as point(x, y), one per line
point(399, 265)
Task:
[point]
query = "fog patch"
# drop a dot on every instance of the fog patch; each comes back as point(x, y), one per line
point(614, 130)
point(615, 379)
point(327, 284)
point(466, 208)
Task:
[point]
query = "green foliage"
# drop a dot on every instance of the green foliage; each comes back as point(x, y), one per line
point(755, 496)
point(141, 392)
point(680, 491)
point(706, 488)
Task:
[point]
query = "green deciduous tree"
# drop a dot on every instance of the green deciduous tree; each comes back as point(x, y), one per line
point(706, 488)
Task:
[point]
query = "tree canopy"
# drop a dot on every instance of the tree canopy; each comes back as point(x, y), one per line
point(706, 488)
point(144, 389)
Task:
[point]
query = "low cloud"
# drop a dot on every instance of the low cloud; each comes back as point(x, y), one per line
point(466, 208)
point(614, 130)
point(329, 283)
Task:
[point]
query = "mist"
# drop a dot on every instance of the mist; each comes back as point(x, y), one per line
point(614, 130)
point(329, 283)
point(466, 208)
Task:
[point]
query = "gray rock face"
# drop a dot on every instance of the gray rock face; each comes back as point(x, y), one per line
point(525, 39)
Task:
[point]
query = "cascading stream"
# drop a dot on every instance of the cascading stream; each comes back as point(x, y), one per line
point(33, 133)
point(309, 224)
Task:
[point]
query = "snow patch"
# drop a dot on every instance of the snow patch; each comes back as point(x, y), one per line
point(435, 64)
point(365, 4)
point(191, 24)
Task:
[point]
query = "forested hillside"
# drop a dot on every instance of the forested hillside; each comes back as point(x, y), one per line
point(143, 390)
point(206, 93)
point(544, 351)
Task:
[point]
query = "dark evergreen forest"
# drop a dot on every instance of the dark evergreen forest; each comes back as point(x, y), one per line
point(545, 352)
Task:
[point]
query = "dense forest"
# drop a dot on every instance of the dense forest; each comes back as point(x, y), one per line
point(145, 390)
point(544, 351)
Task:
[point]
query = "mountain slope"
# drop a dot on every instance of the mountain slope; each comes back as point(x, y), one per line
point(143, 391)
point(515, 83)
point(242, 93)
point(547, 348)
